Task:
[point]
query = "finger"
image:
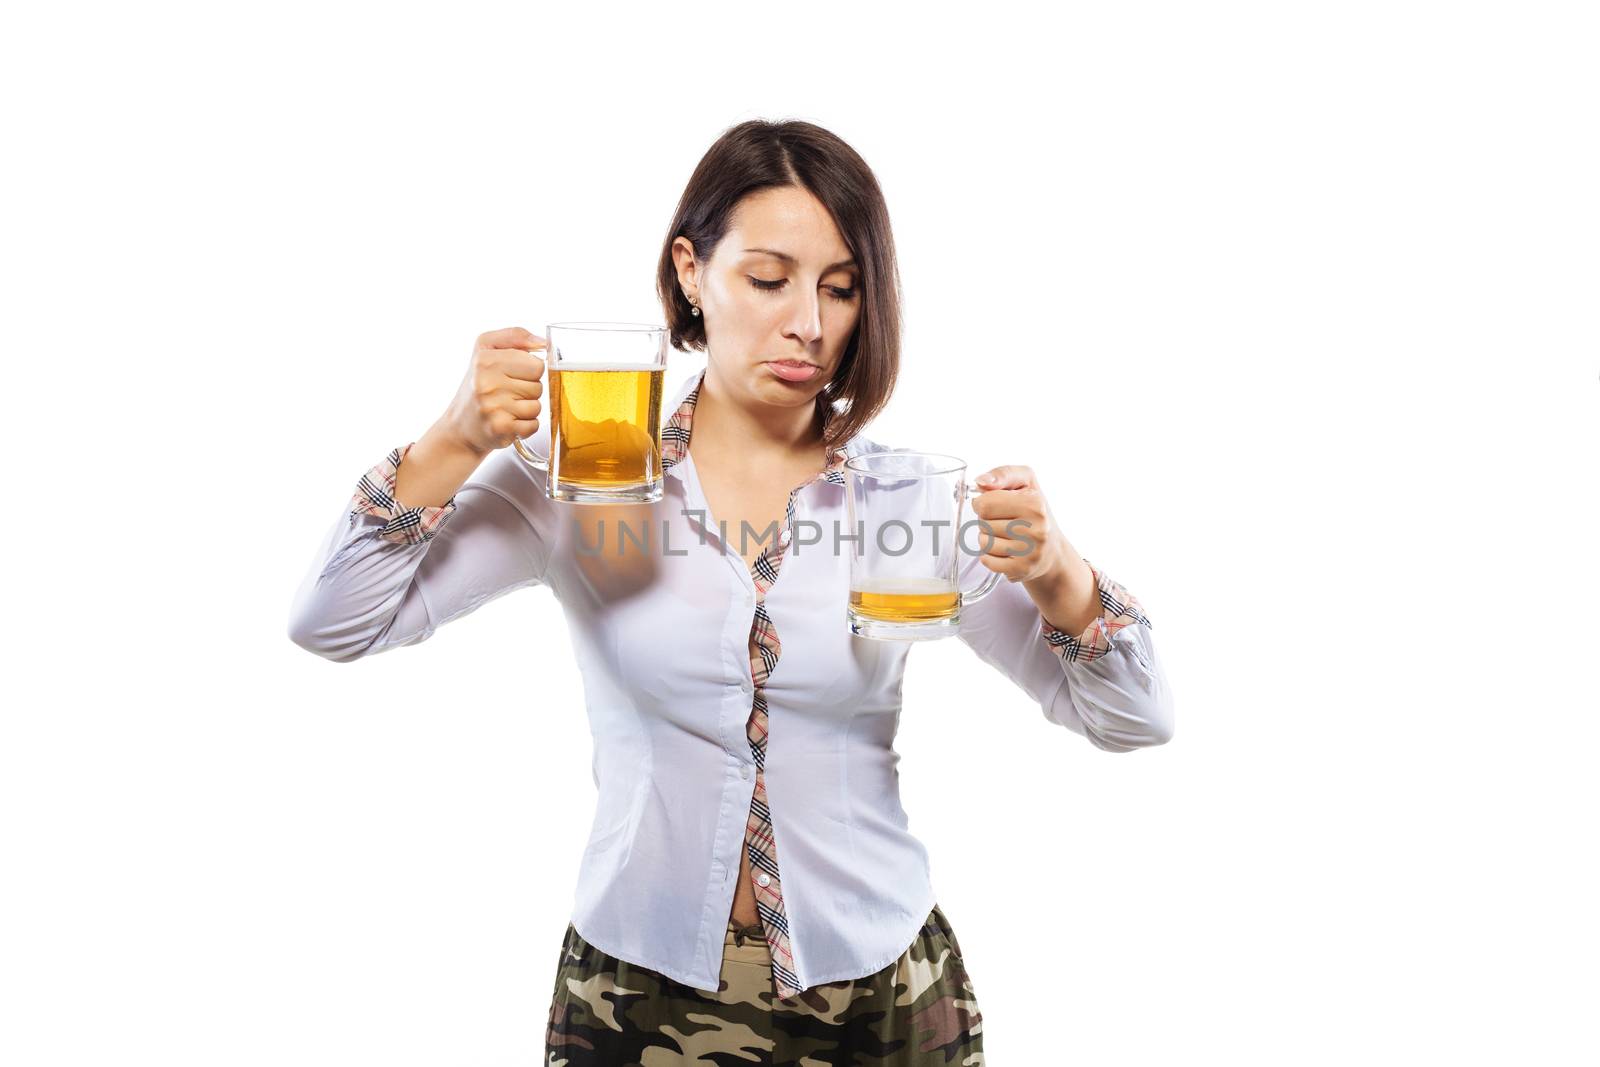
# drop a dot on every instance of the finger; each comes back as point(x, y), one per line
point(1012, 568)
point(1006, 477)
point(524, 428)
point(994, 542)
point(999, 504)
point(511, 337)
point(524, 410)
point(522, 388)
point(523, 366)
point(1010, 547)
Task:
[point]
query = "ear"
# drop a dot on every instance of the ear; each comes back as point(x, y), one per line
point(688, 269)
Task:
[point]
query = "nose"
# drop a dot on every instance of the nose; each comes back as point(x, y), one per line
point(805, 319)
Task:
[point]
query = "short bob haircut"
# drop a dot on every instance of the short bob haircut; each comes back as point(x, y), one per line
point(758, 155)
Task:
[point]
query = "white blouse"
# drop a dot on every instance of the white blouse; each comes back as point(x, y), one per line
point(664, 655)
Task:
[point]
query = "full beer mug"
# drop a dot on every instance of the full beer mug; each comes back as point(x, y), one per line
point(602, 399)
point(906, 513)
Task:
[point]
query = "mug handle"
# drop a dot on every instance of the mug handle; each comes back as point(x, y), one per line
point(994, 577)
point(532, 457)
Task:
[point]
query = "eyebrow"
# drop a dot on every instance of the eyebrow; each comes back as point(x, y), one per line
point(787, 258)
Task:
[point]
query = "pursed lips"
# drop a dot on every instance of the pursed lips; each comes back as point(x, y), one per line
point(793, 370)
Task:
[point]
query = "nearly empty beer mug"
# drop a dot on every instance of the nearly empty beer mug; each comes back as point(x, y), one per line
point(603, 403)
point(906, 511)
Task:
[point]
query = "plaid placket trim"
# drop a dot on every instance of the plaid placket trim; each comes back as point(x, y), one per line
point(765, 648)
point(1118, 608)
point(374, 495)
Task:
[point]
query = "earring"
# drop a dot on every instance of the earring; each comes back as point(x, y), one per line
point(694, 309)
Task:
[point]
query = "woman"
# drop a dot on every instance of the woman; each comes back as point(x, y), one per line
point(827, 942)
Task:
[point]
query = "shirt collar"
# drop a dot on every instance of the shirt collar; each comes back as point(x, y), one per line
point(680, 425)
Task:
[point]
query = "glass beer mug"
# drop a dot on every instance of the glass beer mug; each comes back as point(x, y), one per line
point(906, 514)
point(602, 402)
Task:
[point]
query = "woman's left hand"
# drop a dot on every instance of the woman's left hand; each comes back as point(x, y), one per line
point(1024, 543)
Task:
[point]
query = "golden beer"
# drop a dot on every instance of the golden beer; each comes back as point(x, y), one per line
point(913, 592)
point(605, 427)
point(906, 600)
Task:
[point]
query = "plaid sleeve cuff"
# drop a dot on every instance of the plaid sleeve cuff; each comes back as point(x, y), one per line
point(374, 495)
point(1118, 608)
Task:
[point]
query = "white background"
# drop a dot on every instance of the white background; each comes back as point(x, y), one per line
point(1291, 307)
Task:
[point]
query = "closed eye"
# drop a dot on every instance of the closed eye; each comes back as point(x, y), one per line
point(837, 292)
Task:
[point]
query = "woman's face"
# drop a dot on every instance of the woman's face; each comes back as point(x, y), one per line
point(780, 296)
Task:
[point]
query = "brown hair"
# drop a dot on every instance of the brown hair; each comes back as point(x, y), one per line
point(757, 155)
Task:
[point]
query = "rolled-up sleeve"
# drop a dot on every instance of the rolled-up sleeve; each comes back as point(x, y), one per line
point(374, 496)
point(1106, 683)
point(387, 575)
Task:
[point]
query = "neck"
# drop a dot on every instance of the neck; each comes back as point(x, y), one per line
point(732, 425)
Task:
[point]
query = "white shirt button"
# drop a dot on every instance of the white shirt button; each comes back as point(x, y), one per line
point(746, 685)
point(783, 538)
point(763, 879)
point(744, 770)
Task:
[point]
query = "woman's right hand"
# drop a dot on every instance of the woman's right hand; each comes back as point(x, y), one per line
point(498, 401)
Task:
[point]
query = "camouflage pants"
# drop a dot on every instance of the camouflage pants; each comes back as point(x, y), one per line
point(918, 1011)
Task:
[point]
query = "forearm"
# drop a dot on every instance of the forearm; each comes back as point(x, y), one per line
point(1068, 599)
point(435, 467)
